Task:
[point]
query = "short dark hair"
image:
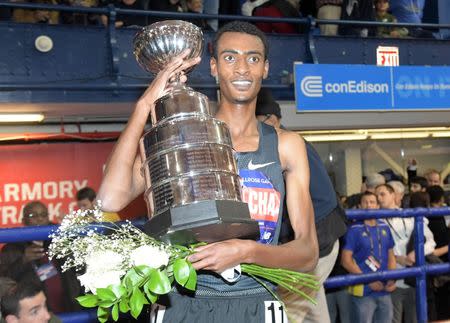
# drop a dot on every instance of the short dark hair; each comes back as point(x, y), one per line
point(388, 187)
point(419, 199)
point(367, 193)
point(17, 292)
point(30, 208)
point(422, 181)
point(86, 193)
point(266, 104)
point(436, 193)
point(241, 27)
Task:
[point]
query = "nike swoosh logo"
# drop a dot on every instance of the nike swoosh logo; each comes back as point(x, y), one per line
point(252, 166)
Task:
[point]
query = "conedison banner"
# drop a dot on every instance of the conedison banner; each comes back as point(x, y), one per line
point(338, 87)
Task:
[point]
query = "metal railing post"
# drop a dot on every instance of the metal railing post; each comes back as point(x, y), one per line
point(421, 280)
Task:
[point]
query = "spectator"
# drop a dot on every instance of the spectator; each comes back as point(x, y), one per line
point(369, 248)
point(28, 260)
point(196, 6)
point(127, 20)
point(211, 7)
point(77, 18)
point(250, 5)
point(37, 16)
point(403, 298)
point(278, 9)
point(382, 7)
point(86, 201)
point(418, 184)
point(362, 10)
point(433, 177)
point(441, 234)
point(330, 10)
point(411, 11)
point(371, 182)
point(24, 302)
point(399, 191)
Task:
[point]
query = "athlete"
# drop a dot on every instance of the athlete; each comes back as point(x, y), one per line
point(264, 157)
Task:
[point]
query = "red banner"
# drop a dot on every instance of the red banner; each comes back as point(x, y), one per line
point(51, 173)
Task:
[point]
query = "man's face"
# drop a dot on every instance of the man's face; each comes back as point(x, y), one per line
point(38, 216)
point(85, 204)
point(434, 179)
point(416, 187)
point(385, 198)
point(31, 310)
point(368, 202)
point(240, 67)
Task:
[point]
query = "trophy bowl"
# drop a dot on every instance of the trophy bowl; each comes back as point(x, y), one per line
point(157, 44)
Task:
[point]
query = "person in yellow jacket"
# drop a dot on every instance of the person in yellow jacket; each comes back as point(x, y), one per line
point(86, 201)
point(37, 16)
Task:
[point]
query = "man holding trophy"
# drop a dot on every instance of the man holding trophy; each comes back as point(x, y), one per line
point(265, 159)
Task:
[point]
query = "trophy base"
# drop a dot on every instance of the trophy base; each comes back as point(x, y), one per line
point(205, 221)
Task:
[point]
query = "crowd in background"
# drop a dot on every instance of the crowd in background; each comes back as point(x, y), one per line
point(386, 11)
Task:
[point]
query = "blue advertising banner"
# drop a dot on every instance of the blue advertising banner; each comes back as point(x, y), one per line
point(338, 87)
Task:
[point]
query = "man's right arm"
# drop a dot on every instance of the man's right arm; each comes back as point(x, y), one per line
point(122, 181)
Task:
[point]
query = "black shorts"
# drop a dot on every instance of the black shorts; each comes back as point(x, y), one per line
point(175, 308)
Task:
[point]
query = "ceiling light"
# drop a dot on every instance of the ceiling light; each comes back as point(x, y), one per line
point(36, 117)
point(399, 135)
point(335, 137)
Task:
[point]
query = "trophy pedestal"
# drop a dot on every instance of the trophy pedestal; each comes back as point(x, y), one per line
point(205, 221)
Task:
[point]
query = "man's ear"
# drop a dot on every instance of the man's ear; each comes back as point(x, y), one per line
point(213, 66)
point(11, 319)
point(266, 69)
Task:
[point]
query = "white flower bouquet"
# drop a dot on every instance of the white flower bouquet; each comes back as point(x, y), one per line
point(124, 268)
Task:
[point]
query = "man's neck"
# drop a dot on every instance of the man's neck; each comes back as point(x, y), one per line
point(240, 118)
point(370, 222)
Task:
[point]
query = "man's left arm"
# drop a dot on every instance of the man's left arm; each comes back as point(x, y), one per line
point(300, 254)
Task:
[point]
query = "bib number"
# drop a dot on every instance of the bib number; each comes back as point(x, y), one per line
point(157, 312)
point(274, 312)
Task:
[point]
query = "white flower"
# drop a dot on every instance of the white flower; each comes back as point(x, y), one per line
point(93, 280)
point(151, 256)
point(104, 260)
point(103, 268)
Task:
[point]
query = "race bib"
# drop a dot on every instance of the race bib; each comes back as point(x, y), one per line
point(263, 202)
point(274, 312)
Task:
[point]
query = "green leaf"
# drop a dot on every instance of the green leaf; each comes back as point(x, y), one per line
point(88, 300)
point(144, 271)
point(132, 278)
point(118, 290)
point(106, 294)
point(136, 302)
point(106, 303)
point(150, 296)
point(181, 271)
point(192, 281)
point(159, 283)
point(115, 312)
point(123, 306)
point(102, 314)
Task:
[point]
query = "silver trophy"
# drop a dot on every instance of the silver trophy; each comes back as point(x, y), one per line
point(192, 184)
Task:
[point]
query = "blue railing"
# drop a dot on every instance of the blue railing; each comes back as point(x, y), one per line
point(420, 271)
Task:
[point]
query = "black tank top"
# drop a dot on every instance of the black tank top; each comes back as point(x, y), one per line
point(262, 187)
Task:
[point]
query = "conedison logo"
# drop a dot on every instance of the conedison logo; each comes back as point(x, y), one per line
point(313, 87)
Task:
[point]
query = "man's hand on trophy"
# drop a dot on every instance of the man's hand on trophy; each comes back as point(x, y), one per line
point(219, 256)
point(163, 82)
